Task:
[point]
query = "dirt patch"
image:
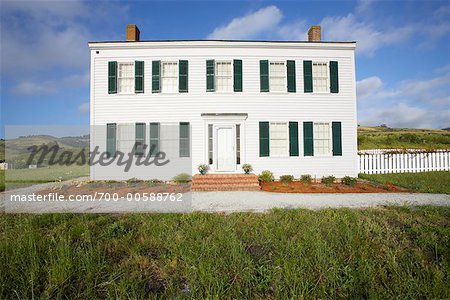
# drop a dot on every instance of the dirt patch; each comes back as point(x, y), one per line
point(121, 188)
point(300, 187)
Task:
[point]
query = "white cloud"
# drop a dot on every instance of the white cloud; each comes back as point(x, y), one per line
point(30, 87)
point(368, 87)
point(403, 115)
point(410, 103)
point(249, 26)
point(84, 108)
point(41, 35)
point(368, 38)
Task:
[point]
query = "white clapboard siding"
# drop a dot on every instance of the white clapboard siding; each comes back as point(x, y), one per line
point(273, 107)
point(410, 162)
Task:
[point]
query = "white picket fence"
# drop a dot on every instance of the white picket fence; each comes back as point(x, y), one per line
point(381, 162)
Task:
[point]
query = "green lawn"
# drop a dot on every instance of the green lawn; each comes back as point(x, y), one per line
point(16, 178)
point(425, 182)
point(403, 138)
point(393, 252)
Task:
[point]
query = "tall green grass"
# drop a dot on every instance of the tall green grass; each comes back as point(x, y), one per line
point(334, 253)
point(425, 182)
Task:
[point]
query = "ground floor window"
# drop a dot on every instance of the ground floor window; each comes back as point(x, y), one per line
point(279, 139)
point(322, 139)
point(210, 144)
point(238, 144)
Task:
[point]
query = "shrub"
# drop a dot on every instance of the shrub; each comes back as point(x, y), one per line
point(247, 168)
point(133, 181)
point(266, 176)
point(286, 178)
point(347, 180)
point(182, 178)
point(203, 169)
point(328, 179)
point(306, 179)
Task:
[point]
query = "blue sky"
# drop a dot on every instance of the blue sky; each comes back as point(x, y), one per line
point(402, 60)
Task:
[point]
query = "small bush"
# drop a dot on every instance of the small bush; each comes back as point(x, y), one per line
point(202, 169)
point(286, 178)
point(133, 181)
point(247, 168)
point(347, 180)
point(182, 178)
point(266, 176)
point(306, 179)
point(328, 179)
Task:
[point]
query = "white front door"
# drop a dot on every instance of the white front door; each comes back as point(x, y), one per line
point(225, 149)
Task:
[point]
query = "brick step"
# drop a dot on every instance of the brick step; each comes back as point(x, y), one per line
point(225, 188)
point(224, 181)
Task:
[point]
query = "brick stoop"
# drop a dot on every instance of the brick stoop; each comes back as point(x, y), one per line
point(225, 182)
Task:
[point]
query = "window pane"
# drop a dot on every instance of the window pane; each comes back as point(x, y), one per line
point(126, 77)
point(322, 138)
point(224, 77)
point(279, 141)
point(320, 77)
point(277, 78)
point(169, 82)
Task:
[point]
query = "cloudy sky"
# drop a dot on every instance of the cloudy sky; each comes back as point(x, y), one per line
point(402, 62)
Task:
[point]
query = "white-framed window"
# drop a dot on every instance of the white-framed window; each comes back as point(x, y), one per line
point(169, 77)
point(322, 138)
point(320, 77)
point(279, 139)
point(224, 76)
point(125, 78)
point(277, 77)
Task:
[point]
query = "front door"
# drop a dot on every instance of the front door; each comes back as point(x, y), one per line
point(225, 149)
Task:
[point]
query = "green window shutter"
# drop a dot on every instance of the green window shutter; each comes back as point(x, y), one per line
point(156, 76)
point(237, 65)
point(337, 138)
point(138, 76)
point(139, 138)
point(308, 139)
point(334, 78)
point(183, 76)
point(307, 76)
point(264, 75)
point(263, 139)
point(293, 138)
point(154, 138)
point(291, 76)
point(111, 139)
point(112, 77)
point(184, 139)
point(210, 69)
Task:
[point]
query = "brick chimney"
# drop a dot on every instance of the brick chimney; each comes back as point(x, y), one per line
point(314, 34)
point(132, 33)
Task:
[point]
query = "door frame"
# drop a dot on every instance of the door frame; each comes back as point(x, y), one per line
point(225, 120)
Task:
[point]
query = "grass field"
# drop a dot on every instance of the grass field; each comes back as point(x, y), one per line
point(425, 182)
point(381, 138)
point(25, 177)
point(335, 253)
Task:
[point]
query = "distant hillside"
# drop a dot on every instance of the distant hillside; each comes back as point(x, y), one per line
point(17, 153)
point(392, 138)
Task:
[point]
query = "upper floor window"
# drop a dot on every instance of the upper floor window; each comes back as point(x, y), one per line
point(322, 139)
point(277, 77)
point(320, 77)
point(224, 76)
point(125, 78)
point(169, 82)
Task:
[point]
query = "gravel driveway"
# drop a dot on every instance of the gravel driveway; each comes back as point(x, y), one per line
point(225, 202)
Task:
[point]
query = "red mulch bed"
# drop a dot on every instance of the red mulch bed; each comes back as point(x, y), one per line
point(300, 187)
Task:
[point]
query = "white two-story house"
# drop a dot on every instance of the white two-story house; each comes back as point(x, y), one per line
point(284, 106)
